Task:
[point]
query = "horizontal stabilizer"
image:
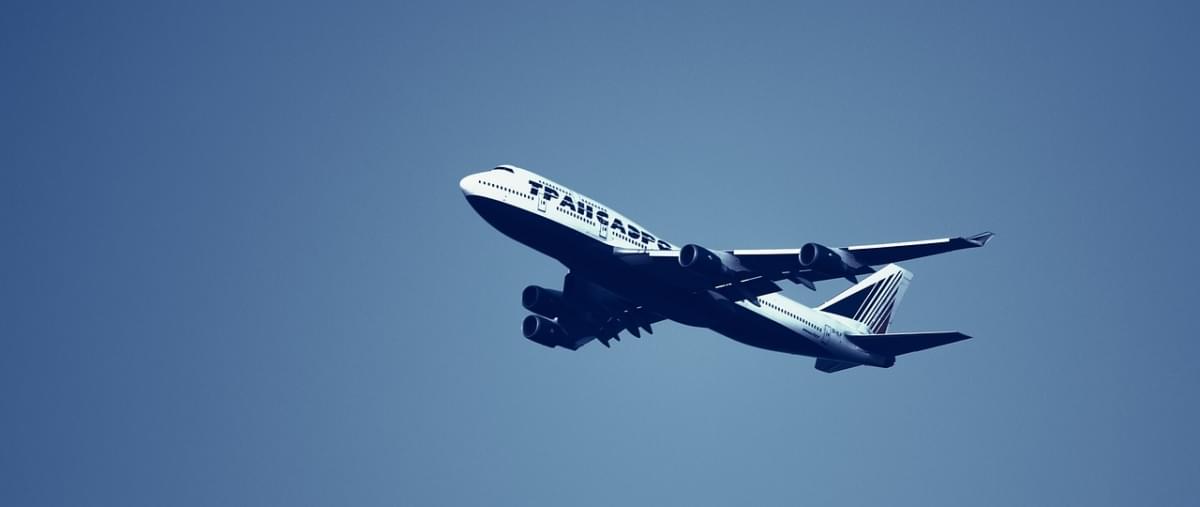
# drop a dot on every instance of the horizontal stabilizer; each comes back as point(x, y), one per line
point(895, 344)
point(831, 366)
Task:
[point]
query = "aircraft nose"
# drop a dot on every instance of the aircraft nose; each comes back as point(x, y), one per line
point(466, 183)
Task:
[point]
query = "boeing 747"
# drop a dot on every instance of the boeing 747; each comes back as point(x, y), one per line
point(622, 277)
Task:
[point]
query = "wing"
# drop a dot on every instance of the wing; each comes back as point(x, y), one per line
point(631, 320)
point(747, 274)
point(874, 255)
point(597, 313)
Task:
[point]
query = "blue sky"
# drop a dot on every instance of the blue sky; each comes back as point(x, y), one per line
point(238, 269)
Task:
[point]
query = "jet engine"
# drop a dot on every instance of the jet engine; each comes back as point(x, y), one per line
point(822, 259)
point(543, 301)
point(703, 261)
point(542, 330)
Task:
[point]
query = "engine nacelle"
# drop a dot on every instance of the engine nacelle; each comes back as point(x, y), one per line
point(703, 261)
point(542, 330)
point(543, 301)
point(822, 259)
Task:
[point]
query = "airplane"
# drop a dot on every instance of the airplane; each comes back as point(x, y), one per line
point(622, 277)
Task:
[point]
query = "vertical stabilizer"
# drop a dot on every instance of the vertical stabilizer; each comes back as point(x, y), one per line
point(872, 300)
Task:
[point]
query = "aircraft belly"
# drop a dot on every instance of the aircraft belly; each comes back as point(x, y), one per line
point(755, 330)
point(556, 240)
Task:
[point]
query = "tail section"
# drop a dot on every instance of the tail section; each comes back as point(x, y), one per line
point(872, 300)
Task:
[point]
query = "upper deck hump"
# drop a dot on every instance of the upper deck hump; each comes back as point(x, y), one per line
point(562, 204)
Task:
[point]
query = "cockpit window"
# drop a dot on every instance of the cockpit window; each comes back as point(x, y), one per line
point(502, 168)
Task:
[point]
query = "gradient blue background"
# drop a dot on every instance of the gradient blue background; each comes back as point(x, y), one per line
point(238, 270)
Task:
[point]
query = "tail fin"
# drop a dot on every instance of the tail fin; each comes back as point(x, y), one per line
point(872, 300)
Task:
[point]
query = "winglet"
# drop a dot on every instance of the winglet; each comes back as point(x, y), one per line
point(980, 239)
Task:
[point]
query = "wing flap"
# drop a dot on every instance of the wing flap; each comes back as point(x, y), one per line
point(748, 289)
